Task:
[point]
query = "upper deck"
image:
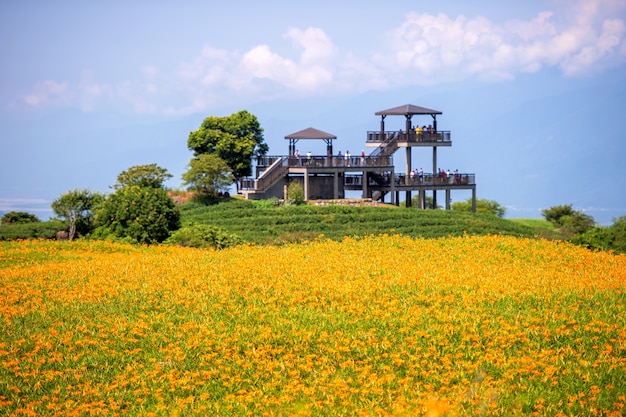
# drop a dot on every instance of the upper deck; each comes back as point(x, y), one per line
point(410, 138)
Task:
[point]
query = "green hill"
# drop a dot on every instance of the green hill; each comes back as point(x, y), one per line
point(263, 223)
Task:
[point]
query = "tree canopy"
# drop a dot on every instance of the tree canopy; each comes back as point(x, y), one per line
point(77, 208)
point(140, 209)
point(207, 174)
point(18, 217)
point(482, 206)
point(569, 221)
point(150, 175)
point(235, 139)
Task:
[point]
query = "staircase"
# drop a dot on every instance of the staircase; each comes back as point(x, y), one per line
point(388, 147)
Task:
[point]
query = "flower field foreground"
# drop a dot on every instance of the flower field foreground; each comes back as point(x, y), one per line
point(377, 326)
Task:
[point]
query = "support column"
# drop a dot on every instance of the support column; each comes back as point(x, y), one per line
point(474, 199)
point(336, 185)
point(447, 199)
point(421, 196)
point(306, 185)
point(407, 171)
point(435, 177)
point(364, 184)
point(393, 194)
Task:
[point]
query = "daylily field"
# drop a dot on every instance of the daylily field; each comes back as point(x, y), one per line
point(378, 326)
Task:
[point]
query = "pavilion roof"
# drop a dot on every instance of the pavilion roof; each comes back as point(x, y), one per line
point(407, 110)
point(311, 133)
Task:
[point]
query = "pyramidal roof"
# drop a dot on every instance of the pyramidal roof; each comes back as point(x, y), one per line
point(311, 133)
point(407, 110)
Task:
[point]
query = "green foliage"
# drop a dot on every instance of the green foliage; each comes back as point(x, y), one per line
point(295, 192)
point(555, 214)
point(139, 210)
point(208, 174)
point(35, 230)
point(482, 206)
point(428, 200)
point(235, 139)
point(203, 236)
point(14, 217)
point(571, 222)
point(605, 238)
point(275, 224)
point(77, 208)
point(150, 175)
point(143, 214)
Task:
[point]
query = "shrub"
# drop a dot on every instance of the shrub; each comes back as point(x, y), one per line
point(203, 236)
point(13, 217)
point(295, 193)
point(35, 230)
point(144, 214)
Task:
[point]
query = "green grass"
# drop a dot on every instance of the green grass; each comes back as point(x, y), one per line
point(262, 223)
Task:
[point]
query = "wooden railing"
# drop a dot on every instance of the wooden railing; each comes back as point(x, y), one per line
point(440, 136)
point(400, 180)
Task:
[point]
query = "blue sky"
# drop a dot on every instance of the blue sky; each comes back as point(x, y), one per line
point(533, 92)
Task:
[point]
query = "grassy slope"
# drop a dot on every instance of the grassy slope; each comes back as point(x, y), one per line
point(260, 223)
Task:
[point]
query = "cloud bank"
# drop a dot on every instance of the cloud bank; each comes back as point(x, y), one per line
point(423, 49)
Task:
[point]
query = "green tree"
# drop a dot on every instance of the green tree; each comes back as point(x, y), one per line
point(141, 214)
point(482, 206)
point(555, 214)
point(77, 208)
point(235, 139)
point(207, 175)
point(18, 217)
point(150, 175)
point(605, 238)
point(569, 221)
point(295, 192)
point(428, 202)
point(203, 236)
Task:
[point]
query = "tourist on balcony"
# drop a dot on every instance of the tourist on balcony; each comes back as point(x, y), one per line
point(419, 132)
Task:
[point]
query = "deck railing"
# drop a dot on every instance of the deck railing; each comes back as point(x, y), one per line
point(279, 165)
point(440, 136)
point(327, 161)
point(401, 179)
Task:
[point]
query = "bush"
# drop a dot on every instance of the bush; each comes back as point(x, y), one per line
point(34, 230)
point(144, 214)
point(482, 206)
point(605, 238)
point(295, 193)
point(203, 236)
point(18, 217)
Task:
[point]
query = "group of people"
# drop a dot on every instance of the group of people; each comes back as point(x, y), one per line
point(346, 157)
point(419, 173)
point(420, 130)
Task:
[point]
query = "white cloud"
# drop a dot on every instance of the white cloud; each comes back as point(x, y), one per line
point(578, 39)
point(30, 205)
point(49, 93)
point(445, 48)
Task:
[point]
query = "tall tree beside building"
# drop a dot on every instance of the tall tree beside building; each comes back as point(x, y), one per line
point(236, 139)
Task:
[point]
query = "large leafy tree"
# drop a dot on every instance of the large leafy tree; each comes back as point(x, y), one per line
point(140, 209)
point(150, 175)
point(207, 175)
point(77, 208)
point(236, 139)
point(571, 222)
point(141, 214)
point(482, 206)
point(18, 217)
